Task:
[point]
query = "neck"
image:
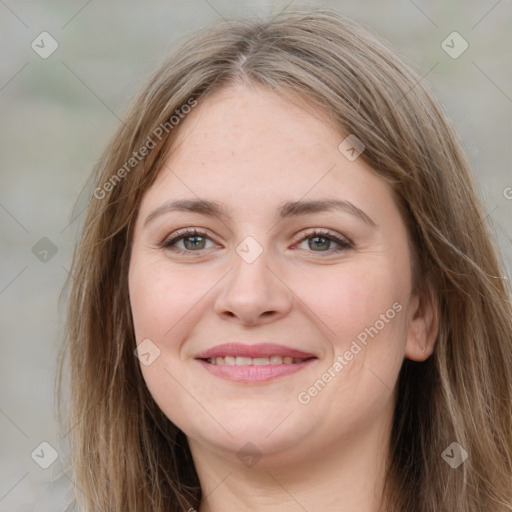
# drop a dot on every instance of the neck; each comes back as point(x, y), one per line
point(344, 476)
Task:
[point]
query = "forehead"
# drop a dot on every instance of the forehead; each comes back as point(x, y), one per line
point(247, 119)
point(251, 147)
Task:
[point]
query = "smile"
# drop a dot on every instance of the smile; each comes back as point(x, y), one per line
point(253, 361)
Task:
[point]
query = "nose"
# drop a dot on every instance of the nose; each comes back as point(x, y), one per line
point(253, 293)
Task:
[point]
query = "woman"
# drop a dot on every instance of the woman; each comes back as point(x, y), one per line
point(285, 296)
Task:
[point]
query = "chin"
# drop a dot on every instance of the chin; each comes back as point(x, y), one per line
point(248, 434)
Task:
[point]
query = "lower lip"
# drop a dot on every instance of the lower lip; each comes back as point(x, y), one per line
point(254, 373)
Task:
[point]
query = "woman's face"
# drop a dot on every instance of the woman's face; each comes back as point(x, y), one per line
point(301, 255)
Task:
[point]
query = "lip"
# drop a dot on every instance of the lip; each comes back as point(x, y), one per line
point(256, 350)
point(254, 373)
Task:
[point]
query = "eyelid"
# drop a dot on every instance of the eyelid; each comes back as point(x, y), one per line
point(303, 235)
point(180, 234)
point(169, 242)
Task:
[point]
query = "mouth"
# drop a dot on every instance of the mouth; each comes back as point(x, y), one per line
point(253, 363)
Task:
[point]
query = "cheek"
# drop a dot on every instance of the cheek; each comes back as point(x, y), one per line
point(161, 298)
point(352, 299)
point(163, 309)
point(362, 311)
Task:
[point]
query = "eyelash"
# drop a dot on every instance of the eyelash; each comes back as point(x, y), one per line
point(168, 243)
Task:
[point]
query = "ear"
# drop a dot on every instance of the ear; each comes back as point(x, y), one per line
point(423, 325)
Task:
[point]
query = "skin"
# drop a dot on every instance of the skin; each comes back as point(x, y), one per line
point(251, 149)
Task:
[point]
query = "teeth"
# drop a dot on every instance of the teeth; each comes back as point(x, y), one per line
point(229, 360)
point(255, 361)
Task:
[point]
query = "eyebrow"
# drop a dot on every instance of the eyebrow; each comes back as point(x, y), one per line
point(285, 210)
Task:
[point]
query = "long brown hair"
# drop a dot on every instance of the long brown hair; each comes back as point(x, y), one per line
point(126, 455)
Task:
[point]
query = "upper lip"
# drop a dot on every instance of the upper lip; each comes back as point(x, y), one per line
point(256, 350)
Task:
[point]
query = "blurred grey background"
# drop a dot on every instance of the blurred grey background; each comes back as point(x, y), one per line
point(59, 110)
